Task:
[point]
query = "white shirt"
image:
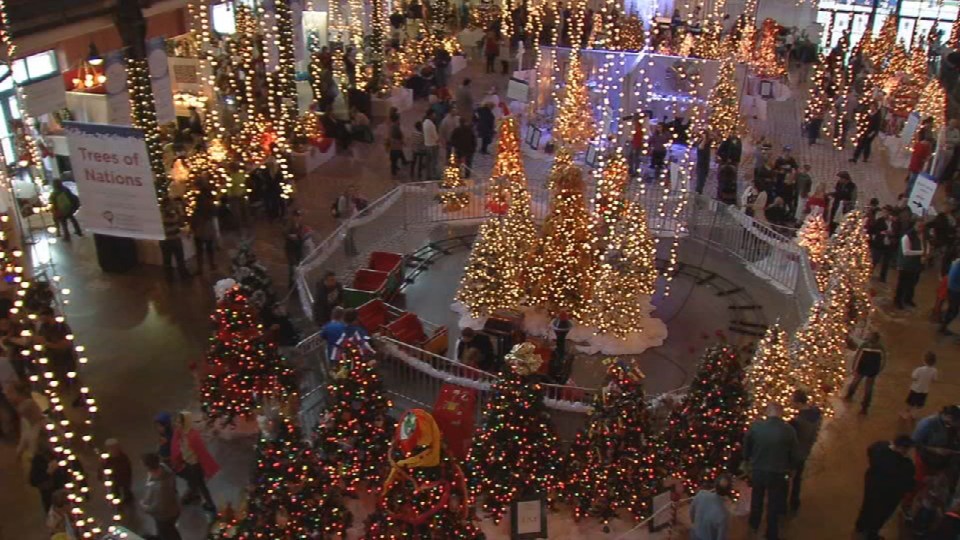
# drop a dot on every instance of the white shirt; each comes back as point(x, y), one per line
point(907, 247)
point(430, 137)
point(922, 378)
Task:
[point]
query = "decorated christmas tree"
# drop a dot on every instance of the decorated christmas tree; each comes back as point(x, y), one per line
point(561, 161)
point(766, 63)
point(243, 364)
point(704, 433)
point(820, 87)
point(425, 494)
point(847, 260)
point(723, 118)
point(575, 125)
point(933, 103)
point(563, 263)
point(882, 45)
point(813, 236)
point(817, 348)
point(609, 203)
point(515, 453)
point(292, 494)
point(613, 464)
point(452, 196)
point(491, 280)
point(626, 276)
point(769, 376)
point(355, 431)
point(521, 236)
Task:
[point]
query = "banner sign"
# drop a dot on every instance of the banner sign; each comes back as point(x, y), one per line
point(118, 102)
point(160, 80)
point(114, 180)
point(921, 196)
point(455, 413)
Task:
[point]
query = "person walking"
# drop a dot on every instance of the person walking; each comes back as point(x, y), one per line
point(464, 99)
point(333, 330)
point(889, 476)
point(160, 497)
point(121, 471)
point(841, 199)
point(486, 123)
point(491, 48)
point(909, 264)
point(295, 237)
point(395, 144)
point(447, 126)
point(431, 141)
point(865, 142)
point(953, 297)
point(703, 160)
point(171, 247)
point(936, 440)
point(46, 474)
point(919, 158)
point(708, 512)
point(191, 461)
point(920, 381)
point(65, 205)
point(868, 363)
point(638, 141)
point(203, 224)
point(727, 183)
point(807, 426)
point(771, 451)
point(328, 296)
point(346, 209)
point(464, 143)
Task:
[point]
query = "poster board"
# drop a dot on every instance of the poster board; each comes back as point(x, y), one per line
point(185, 74)
point(910, 128)
point(518, 90)
point(114, 180)
point(314, 25)
point(528, 518)
point(921, 196)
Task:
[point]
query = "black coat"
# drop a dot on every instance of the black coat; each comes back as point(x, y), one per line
point(325, 300)
point(485, 122)
point(889, 477)
point(463, 140)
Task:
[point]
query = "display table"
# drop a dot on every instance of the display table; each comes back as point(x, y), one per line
point(457, 63)
point(149, 250)
point(303, 163)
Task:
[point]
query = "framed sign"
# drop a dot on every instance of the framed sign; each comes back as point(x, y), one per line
point(661, 516)
point(534, 135)
point(921, 196)
point(528, 518)
point(766, 89)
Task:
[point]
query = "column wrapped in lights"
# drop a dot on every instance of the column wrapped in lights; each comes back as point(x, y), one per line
point(282, 98)
point(144, 114)
point(516, 451)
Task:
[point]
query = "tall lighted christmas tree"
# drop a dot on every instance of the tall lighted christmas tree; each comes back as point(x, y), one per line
point(425, 494)
point(355, 432)
point(626, 276)
point(563, 262)
point(769, 376)
point(521, 236)
point(613, 464)
point(704, 434)
point(243, 364)
point(491, 280)
point(575, 124)
point(813, 237)
point(883, 44)
point(817, 348)
point(293, 493)
point(515, 452)
point(766, 63)
point(723, 118)
point(847, 260)
point(452, 196)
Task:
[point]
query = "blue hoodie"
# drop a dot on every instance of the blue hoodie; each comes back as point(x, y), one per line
point(164, 419)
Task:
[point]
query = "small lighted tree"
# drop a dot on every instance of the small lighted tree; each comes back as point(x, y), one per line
point(723, 105)
point(769, 376)
point(813, 236)
point(452, 196)
point(766, 63)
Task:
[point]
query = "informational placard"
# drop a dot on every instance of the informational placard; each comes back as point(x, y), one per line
point(528, 518)
point(921, 196)
point(185, 74)
point(114, 180)
point(160, 80)
point(46, 96)
point(662, 517)
point(909, 128)
point(315, 29)
point(518, 90)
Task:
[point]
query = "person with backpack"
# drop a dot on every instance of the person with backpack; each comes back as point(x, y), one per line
point(65, 204)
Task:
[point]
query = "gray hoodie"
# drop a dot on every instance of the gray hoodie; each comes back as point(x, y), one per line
point(160, 498)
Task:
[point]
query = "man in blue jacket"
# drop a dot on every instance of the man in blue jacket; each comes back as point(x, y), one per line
point(953, 296)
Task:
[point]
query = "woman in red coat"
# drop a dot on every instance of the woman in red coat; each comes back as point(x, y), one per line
point(191, 461)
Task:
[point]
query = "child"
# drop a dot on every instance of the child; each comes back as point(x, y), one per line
point(922, 378)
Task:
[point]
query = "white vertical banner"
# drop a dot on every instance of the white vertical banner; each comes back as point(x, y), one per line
point(114, 180)
point(118, 101)
point(160, 80)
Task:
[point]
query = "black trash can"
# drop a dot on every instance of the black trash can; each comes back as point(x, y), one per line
point(115, 253)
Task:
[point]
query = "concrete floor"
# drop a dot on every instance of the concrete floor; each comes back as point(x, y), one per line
point(142, 334)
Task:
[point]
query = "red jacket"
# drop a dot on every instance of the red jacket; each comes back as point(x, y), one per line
point(921, 151)
point(210, 467)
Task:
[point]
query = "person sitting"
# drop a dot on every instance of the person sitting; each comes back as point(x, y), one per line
point(470, 339)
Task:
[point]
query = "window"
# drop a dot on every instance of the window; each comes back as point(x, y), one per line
point(7, 83)
point(35, 67)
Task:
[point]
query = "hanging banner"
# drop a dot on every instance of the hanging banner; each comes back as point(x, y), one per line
point(114, 180)
point(118, 101)
point(455, 413)
point(46, 96)
point(160, 80)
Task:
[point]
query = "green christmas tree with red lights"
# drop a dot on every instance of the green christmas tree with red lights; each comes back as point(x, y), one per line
point(515, 453)
point(292, 494)
point(613, 464)
point(425, 495)
point(355, 432)
point(704, 434)
point(244, 367)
